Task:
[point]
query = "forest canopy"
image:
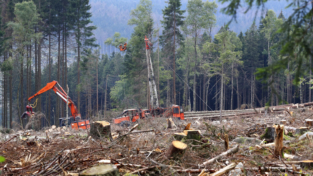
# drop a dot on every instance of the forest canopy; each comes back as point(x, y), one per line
point(46, 40)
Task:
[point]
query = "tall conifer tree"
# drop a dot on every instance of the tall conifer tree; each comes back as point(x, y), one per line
point(173, 19)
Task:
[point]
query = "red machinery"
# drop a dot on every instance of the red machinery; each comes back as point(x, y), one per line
point(75, 120)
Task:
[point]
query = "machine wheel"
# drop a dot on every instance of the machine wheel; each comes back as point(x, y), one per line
point(125, 124)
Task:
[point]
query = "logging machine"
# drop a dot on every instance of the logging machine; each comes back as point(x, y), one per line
point(132, 115)
point(75, 121)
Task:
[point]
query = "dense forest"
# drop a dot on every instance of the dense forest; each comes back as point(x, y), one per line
point(46, 40)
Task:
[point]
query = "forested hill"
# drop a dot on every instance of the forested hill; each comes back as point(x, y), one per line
point(111, 16)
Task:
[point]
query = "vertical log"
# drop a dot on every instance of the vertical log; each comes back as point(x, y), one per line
point(279, 129)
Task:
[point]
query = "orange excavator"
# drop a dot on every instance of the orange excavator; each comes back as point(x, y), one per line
point(75, 120)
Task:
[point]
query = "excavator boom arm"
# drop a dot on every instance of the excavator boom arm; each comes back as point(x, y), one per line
point(61, 93)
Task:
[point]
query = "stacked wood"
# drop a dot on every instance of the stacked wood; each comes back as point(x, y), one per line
point(176, 149)
point(99, 129)
point(279, 129)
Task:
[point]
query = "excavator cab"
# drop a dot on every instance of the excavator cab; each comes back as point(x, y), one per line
point(178, 112)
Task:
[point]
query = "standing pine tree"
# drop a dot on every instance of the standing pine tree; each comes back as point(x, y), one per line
point(83, 35)
point(171, 35)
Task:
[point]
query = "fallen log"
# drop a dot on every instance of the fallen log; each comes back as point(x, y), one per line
point(101, 170)
point(224, 170)
point(176, 149)
point(228, 152)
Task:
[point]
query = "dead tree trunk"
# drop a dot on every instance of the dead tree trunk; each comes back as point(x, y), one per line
point(279, 140)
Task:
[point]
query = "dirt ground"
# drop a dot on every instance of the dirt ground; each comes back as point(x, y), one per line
point(144, 151)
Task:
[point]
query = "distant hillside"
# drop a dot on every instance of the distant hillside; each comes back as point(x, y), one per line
point(112, 16)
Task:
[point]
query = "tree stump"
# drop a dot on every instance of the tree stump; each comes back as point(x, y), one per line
point(269, 134)
point(283, 122)
point(279, 129)
point(170, 123)
point(176, 149)
point(101, 170)
point(187, 126)
point(307, 164)
point(226, 142)
point(179, 136)
point(309, 123)
point(302, 130)
point(99, 129)
point(193, 134)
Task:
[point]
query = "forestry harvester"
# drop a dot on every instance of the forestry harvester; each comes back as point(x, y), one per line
point(75, 121)
point(132, 115)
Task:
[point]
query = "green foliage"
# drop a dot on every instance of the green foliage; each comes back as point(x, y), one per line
point(2, 159)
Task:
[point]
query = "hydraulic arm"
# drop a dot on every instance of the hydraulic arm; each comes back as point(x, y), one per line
point(55, 86)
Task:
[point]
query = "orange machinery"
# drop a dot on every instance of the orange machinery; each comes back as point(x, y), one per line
point(129, 115)
point(132, 115)
point(75, 120)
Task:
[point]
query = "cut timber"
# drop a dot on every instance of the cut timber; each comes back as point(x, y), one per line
point(99, 129)
point(176, 149)
point(228, 152)
point(193, 134)
point(307, 164)
point(302, 130)
point(309, 122)
point(279, 129)
point(224, 170)
point(101, 170)
point(269, 134)
point(179, 136)
point(170, 123)
point(187, 126)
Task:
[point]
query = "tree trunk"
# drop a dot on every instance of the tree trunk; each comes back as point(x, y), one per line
point(238, 95)
point(21, 83)
point(232, 86)
point(194, 76)
point(49, 79)
point(174, 60)
point(39, 75)
point(221, 93)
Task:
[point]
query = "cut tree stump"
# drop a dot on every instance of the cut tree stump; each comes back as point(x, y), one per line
point(283, 122)
point(193, 134)
point(308, 122)
point(226, 142)
point(269, 134)
point(187, 126)
point(170, 123)
point(279, 129)
point(99, 129)
point(302, 130)
point(307, 164)
point(179, 136)
point(101, 170)
point(176, 149)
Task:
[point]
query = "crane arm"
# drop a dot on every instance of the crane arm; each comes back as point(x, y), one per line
point(61, 93)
